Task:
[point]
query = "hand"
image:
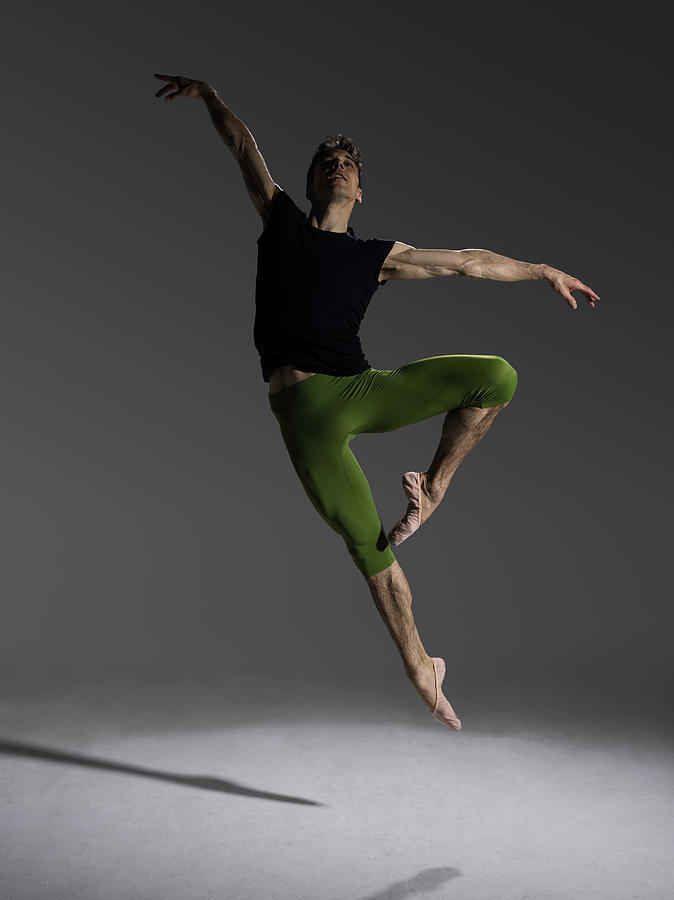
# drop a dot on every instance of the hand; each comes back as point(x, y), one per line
point(564, 284)
point(183, 87)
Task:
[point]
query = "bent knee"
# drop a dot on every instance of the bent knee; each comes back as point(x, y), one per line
point(503, 382)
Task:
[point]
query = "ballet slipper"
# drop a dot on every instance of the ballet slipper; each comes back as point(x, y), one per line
point(442, 711)
point(412, 518)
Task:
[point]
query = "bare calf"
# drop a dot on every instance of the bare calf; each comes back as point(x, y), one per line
point(393, 599)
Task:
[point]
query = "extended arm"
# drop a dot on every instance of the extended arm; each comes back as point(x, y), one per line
point(259, 183)
point(235, 134)
point(405, 261)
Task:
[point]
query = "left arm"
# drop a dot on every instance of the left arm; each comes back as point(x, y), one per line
point(405, 261)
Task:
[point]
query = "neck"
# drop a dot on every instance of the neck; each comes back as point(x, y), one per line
point(333, 216)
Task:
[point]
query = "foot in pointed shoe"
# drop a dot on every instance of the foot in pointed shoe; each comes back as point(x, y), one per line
point(442, 711)
point(421, 504)
point(412, 518)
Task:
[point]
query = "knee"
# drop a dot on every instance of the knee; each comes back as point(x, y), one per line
point(503, 379)
point(372, 557)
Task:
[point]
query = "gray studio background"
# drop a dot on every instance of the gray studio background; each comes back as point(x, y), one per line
point(152, 524)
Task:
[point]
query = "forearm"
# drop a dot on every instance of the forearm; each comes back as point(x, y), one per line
point(485, 264)
point(230, 128)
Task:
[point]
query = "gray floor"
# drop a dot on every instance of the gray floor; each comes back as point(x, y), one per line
point(244, 789)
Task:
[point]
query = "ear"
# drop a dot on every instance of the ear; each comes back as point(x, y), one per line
point(359, 195)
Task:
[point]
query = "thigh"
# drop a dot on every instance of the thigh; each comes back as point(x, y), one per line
point(339, 491)
point(427, 387)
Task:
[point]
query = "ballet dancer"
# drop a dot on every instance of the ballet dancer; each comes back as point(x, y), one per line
point(314, 281)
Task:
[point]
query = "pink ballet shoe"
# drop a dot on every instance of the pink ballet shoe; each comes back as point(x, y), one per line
point(442, 711)
point(412, 518)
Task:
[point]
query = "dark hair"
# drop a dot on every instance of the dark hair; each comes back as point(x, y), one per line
point(337, 141)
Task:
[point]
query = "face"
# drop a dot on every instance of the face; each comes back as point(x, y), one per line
point(336, 175)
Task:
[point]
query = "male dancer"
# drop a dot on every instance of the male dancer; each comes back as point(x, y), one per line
point(314, 282)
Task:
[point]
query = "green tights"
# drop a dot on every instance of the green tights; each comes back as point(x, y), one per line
point(320, 415)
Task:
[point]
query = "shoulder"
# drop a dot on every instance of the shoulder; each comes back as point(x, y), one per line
point(390, 264)
point(278, 196)
point(278, 204)
point(270, 200)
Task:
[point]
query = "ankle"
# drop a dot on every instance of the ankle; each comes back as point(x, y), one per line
point(433, 490)
point(419, 667)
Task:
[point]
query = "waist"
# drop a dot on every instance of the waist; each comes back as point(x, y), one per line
point(285, 376)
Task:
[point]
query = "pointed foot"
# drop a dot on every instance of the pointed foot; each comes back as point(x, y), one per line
point(442, 711)
point(411, 521)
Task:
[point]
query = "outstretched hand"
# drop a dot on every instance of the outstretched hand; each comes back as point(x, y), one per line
point(182, 87)
point(564, 284)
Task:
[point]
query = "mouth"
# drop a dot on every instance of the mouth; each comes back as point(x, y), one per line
point(333, 177)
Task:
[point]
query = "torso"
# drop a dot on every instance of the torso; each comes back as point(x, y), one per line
point(284, 376)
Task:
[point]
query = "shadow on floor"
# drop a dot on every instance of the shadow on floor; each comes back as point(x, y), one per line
point(206, 782)
point(428, 880)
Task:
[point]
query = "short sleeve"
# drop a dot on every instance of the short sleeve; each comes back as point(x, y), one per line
point(380, 249)
point(281, 205)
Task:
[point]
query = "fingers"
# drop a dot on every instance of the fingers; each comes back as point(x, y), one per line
point(575, 285)
point(589, 293)
point(564, 286)
point(591, 296)
point(179, 85)
point(174, 84)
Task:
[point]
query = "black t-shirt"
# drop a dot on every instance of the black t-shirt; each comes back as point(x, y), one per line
point(311, 292)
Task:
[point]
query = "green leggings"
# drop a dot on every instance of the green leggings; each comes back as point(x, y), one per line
point(320, 416)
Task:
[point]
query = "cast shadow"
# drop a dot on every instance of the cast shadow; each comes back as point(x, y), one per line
point(205, 782)
point(427, 880)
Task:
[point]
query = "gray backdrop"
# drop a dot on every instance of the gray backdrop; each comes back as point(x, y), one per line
point(151, 520)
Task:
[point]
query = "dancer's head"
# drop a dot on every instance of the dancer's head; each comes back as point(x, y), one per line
point(336, 153)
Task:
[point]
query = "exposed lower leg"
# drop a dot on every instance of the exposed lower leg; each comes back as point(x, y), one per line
point(393, 599)
point(462, 430)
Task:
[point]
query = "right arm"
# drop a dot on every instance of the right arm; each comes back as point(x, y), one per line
point(235, 134)
point(259, 183)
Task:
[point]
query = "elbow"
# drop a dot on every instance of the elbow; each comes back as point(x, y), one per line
point(470, 266)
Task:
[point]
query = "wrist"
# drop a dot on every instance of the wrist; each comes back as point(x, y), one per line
point(206, 90)
point(544, 271)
